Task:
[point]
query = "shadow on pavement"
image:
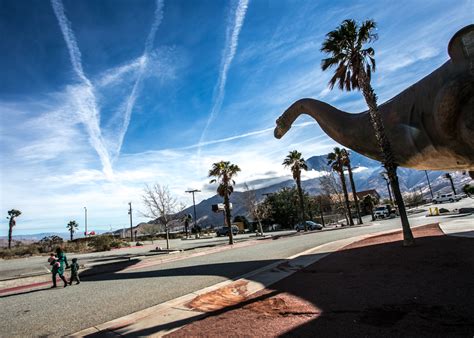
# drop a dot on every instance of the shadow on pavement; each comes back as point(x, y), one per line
point(378, 289)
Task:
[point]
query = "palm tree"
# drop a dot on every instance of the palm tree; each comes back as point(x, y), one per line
point(369, 203)
point(223, 173)
point(449, 177)
point(354, 65)
point(336, 162)
point(384, 176)
point(187, 219)
point(72, 227)
point(12, 214)
point(297, 163)
point(347, 162)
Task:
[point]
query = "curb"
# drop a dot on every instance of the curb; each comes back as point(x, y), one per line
point(180, 312)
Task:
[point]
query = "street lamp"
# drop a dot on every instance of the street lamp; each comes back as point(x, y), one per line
point(194, 204)
point(131, 227)
point(85, 221)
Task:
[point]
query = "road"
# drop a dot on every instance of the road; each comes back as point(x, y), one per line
point(38, 264)
point(101, 298)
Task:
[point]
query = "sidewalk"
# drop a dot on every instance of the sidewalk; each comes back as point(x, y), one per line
point(348, 291)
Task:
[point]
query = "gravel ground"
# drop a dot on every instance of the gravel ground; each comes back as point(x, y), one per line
point(373, 288)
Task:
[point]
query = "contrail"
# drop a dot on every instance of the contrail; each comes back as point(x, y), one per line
point(84, 95)
point(142, 67)
point(229, 53)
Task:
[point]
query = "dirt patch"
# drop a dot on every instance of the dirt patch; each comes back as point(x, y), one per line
point(232, 294)
point(375, 287)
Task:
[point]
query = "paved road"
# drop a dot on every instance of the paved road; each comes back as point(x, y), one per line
point(38, 264)
point(104, 297)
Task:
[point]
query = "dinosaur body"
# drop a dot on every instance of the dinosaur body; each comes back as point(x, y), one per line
point(430, 125)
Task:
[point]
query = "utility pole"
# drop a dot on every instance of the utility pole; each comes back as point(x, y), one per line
point(85, 221)
point(194, 205)
point(131, 226)
point(429, 184)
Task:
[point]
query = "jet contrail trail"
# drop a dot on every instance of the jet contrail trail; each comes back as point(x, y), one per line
point(229, 54)
point(84, 95)
point(143, 64)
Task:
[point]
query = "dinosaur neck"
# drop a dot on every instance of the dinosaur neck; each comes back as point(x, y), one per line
point(351, 130)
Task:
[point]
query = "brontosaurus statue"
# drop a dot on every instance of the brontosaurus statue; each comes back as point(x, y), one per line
point(430, 125)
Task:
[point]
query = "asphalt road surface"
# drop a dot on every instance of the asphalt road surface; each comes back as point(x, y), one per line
point(104, 297)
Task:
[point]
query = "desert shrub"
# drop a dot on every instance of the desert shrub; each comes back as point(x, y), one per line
point(117, 243)
point(19, 251)
point(101, 243)
point(49, 244)
point(76, 246)
point(443, 210)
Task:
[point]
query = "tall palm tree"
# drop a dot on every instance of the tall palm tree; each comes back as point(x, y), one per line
point(12, 214)
point(224, 172)
point(354, 65)
point(384, 176)
point(336, 162)
point(297, 163)
point(72, 227)
point(347, 162)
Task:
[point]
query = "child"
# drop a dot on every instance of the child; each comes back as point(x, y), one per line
point(74, 270)
point(56, 269)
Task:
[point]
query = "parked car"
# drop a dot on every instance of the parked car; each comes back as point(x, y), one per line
point(446, 198)
point(310, 225)
point(224, 231)
point(385, 211)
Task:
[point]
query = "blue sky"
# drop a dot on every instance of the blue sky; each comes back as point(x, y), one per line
point(99, 98)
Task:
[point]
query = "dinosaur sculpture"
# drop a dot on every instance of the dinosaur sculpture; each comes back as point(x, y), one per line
point(430, 125)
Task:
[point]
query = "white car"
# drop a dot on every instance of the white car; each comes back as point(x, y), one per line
point(446, 198)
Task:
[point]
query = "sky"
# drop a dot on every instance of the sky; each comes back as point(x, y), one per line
point(100, 97)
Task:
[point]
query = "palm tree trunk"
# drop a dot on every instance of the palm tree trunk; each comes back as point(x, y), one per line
point(10, 230)
point(227, 218)
point(71, 234)
point(354, 193)
point(387, 154)
point(346, 197)
point(300, 196)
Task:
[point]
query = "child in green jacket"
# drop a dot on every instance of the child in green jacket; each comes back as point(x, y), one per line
point(74, 272)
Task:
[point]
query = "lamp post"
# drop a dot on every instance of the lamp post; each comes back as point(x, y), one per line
point(85, 221)
point(429, 184)
point(194, 204)
point(131, 227)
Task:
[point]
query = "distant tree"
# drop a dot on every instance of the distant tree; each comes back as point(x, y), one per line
point(151, 229)
point(224, 172)
point(12, 215)
point(468, 189)
point(283, 207)
point(72, 227)
point(369, 203)
point(450, 178)
point(161, 206)
point(296, 162)
point(347, 162)
point(333, 190)
point(336, 161)
point(187, 219)
point(256, 209)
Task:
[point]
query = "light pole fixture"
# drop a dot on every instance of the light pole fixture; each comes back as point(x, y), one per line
point(85, 221)
point(193, 191)
point(131, 226)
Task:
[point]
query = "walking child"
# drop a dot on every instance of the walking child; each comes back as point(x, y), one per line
point(74, 272)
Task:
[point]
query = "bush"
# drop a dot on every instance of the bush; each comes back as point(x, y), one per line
point(101, 243)
point(117, 243)
point(49, 244)
point(19, 251)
